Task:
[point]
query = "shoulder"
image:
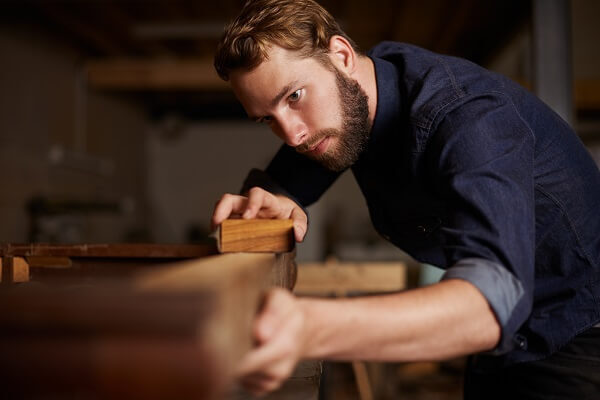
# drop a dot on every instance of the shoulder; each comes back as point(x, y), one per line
point(433, 84)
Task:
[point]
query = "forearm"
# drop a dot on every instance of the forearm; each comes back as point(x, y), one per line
point(440, 321)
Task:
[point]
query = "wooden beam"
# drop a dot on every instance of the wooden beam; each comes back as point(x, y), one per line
point(256, 235)
point(180, 328)
point(131, 74)
point(342, 278)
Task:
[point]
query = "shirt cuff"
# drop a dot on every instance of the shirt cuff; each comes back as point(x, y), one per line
point(499, 286)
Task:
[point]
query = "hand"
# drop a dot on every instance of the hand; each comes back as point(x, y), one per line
point(279, 331)
point(261, 204)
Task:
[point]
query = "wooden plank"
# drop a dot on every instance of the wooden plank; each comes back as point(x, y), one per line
point(180, 328)
point(116, 250)
point(256, 235)
point(342, 278)
point(152, 74)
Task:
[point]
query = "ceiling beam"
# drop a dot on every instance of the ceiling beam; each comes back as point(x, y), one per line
point(189, 74)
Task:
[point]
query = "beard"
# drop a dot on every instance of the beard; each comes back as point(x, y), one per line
point(354, 135)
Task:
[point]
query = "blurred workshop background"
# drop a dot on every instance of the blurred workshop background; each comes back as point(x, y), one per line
point(114, 126)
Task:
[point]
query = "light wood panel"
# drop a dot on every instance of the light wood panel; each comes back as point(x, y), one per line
point(343, 278)
point(153, 74)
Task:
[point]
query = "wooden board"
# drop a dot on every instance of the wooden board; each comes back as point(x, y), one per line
point(59, 263)
point(256, 235)
point(344, 278)
point(175, 329)
point(113, 250)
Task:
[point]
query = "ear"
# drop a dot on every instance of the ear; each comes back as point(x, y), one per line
point(342, 54)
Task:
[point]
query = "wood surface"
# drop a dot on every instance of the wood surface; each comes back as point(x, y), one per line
point(116, 250)
point(256, 235)
point(80, 263)
point(174, 330)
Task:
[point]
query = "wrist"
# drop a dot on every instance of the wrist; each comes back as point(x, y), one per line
point(313, 330)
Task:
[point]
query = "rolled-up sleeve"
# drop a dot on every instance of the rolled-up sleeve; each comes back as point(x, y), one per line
point(483, 154)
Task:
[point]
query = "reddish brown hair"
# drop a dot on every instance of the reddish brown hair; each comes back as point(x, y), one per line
point(301, 25)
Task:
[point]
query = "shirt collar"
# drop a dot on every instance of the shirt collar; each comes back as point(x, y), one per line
point(387, 114)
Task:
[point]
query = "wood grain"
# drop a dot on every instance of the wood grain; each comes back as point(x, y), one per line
point(256, 235)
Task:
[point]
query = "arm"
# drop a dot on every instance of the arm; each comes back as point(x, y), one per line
point(440, 321)
point(448, 319)
point(483, 169)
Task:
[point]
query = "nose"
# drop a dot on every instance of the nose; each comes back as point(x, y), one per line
point(291, 130)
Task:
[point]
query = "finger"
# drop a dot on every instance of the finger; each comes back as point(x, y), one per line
point(261, 385)
point(256, 197)
point(274, 354)
point(257, 380)
point(300, 221)
point(227, 205)
point(276, 310)
point(263, 358)
point(271, 207)
point(269, 361)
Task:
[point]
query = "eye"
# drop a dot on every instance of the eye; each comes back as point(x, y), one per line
point(265, 120)
point(296, 95)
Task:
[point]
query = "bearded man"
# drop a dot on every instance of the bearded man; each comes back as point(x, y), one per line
point(461, 168)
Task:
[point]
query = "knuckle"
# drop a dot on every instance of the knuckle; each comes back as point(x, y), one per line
point(225, 197)
point(256, 189)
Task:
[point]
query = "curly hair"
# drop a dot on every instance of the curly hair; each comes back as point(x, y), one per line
point(299, 25)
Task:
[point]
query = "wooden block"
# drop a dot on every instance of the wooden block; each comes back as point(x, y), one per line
point(342, 278)
point(256, 235)
point(14, 270)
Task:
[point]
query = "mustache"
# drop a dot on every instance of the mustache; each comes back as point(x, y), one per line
point(313, 141)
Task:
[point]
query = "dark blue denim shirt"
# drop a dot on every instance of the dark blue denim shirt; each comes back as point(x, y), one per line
point(470, 172)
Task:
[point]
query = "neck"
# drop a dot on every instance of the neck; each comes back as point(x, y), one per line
point(367, 80)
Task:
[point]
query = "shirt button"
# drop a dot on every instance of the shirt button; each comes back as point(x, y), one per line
point(521, 341)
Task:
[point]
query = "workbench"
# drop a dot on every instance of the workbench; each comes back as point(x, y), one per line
point(129, 320)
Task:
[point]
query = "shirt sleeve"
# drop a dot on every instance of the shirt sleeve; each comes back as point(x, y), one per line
point(293, 175)
point(483, 154)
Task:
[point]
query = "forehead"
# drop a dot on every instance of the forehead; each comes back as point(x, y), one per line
point(282, 68)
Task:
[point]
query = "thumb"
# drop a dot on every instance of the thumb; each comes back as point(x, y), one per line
point(300, 222)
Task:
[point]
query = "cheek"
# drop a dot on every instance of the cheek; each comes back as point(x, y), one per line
point(324, 112)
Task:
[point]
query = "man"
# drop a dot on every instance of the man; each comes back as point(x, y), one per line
point(461, 168)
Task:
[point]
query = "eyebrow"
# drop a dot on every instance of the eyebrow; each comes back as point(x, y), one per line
point(282, 93)
point(277, 98)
